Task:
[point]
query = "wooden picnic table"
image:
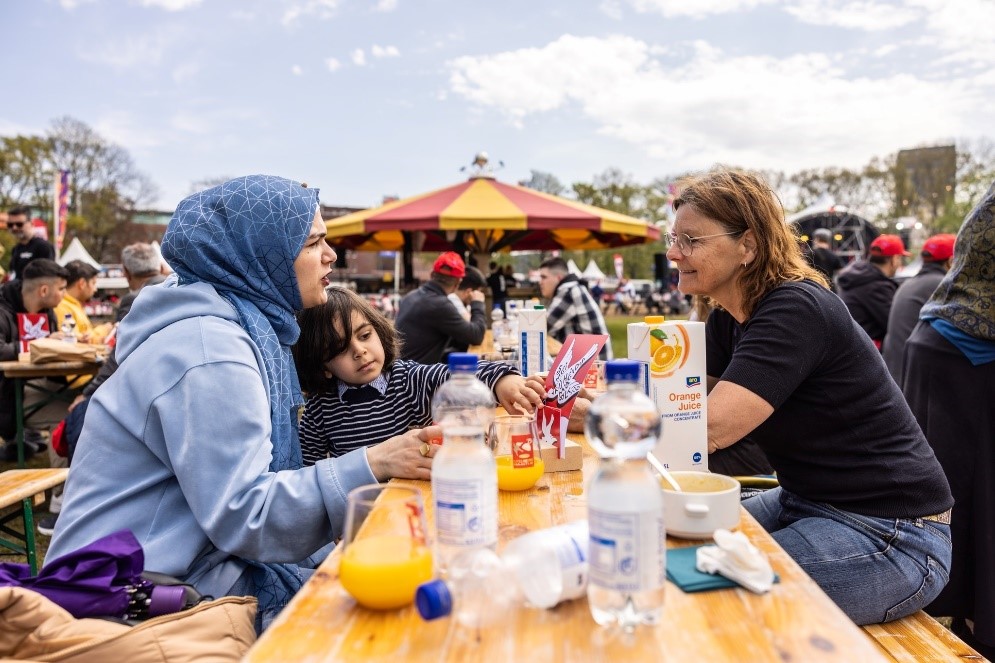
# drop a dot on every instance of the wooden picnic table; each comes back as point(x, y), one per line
point(23, 370)
point(795, 621)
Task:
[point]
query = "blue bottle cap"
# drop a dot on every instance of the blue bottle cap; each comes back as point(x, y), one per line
point(433, 600)
point(462, 362)
point(620, 370)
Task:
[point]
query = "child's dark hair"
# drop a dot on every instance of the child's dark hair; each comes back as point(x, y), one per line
point(320, 341)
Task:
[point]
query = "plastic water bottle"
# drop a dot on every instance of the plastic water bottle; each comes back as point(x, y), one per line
point(464, 473)
point(499, 330)
point(68, 328)
point(625, 505)
point(542, 568)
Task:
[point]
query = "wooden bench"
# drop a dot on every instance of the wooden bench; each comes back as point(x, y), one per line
point(919, 638)
point(24, 486)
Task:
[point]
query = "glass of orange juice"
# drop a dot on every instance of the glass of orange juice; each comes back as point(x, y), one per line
point(386, 553)
point(515, 443)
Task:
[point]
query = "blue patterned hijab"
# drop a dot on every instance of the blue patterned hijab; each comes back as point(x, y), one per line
point(242, 237)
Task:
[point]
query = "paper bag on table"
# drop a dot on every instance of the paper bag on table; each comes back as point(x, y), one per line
point(49, 350)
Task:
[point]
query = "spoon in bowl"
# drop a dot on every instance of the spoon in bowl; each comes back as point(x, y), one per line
point(658, 466)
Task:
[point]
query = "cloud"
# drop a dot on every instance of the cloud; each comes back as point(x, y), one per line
point(612, 9)
point(868, 15)
point(961, 28)
point(333, 64)
point(134, 50)
point(296, 70)
point(73, 4)
point(693, 9)
point(185, 72)
point(759, 111)
point(321, 9)
point(358, 57)
point(385, 6)
point(123, 128)
point(170, 5)
point(384, 52)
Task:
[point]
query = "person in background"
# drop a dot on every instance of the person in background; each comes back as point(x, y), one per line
point(949, 380)
point(193, 443)
point(142, 266)
point(360, 393)
point(80, 288)
point(427, 321)
point(41, 288)
point(863, 505)
point(572, 309)
point(867, 287)
point(28, 247)
point(461, 299)
point(509, 277)
point(937, 254)
point(498, 284)
point(822, 256)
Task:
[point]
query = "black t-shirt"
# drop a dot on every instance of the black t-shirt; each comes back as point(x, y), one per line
point(22, 254)
point(841, 432)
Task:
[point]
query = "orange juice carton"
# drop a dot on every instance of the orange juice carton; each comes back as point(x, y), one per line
point(532, 341)
point(674, 355)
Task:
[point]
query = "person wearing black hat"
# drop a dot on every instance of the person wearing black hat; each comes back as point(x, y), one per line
point(822, 256)
point(428, 322)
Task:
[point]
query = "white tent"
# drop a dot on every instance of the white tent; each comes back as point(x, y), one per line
point(76, 251)
point(573, 268)
point(592, 272)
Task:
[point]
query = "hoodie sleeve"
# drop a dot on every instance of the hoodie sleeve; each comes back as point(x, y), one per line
point(218, 445)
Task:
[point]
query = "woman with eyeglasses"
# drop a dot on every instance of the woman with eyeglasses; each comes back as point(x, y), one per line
point(863, 505)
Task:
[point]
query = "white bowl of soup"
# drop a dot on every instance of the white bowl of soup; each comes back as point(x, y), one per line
point(706, 502)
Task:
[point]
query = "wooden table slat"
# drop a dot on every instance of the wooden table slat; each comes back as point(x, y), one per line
point(16, 485)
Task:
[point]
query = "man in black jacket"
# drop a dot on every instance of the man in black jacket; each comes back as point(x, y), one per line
point(427, 320)
point(41, 288)
point(28, 247)
point(937, 254)
point(867, 286)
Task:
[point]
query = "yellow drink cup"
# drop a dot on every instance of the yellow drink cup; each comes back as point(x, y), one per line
point(515, 443)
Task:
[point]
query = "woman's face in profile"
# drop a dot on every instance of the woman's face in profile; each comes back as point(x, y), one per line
point(314, 265)
point(713, 266)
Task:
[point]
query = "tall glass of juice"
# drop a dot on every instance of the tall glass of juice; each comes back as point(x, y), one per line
point(386, 553)
point(515, 443)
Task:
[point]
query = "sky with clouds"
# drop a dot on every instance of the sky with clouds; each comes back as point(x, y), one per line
point(391, 97)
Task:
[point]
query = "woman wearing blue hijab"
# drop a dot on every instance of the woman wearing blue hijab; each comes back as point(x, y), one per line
point(192, 444)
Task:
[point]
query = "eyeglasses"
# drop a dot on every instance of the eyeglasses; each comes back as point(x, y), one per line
point(685, 243)
point(15, 224)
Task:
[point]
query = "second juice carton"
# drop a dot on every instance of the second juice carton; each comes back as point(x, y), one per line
point(674, 355)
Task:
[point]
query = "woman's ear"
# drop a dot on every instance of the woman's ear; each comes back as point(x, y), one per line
point(749, 246)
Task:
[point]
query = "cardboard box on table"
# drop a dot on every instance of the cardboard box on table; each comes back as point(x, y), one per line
point(674, 355)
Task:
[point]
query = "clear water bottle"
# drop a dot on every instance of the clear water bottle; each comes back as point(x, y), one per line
point(499, 330)
point(542, 568)
point(68, 328)
point(625, 505)
point(464, 473)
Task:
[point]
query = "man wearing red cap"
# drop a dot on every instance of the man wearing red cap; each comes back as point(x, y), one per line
point(937, 254)
point(867, 286)
point(427, 320)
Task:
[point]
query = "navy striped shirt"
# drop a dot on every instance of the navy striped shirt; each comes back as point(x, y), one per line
point(332, 427)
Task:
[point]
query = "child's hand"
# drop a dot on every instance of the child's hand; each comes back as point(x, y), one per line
point(537, 383)
point(407, 456)
point(516, 395)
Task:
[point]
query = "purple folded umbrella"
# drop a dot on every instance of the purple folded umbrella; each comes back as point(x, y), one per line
point(103, 579)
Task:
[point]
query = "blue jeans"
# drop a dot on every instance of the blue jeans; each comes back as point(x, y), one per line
point(875, 569)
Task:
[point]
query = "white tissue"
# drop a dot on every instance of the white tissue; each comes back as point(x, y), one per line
point(736, 558)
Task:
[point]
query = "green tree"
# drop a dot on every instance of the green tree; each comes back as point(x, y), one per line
point(545, 182)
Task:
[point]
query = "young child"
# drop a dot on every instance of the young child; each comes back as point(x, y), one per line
point(359, 392)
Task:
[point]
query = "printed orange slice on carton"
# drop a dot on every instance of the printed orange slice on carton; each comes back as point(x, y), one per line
point(670, 353)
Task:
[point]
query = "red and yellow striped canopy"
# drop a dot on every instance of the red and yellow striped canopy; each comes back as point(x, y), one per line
point(483, 215)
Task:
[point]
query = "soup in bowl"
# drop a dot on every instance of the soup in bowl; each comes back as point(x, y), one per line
point(705, 503)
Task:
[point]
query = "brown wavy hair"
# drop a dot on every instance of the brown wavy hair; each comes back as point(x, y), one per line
point(741, 201)
point(320, 341)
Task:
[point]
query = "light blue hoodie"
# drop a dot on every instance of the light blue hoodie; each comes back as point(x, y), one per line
point(177, 444)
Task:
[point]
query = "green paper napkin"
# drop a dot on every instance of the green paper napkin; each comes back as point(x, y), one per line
point(681, 571)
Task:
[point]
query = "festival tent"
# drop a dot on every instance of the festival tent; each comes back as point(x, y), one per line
point(592, 272)
point(76, 251)
point(572, 268)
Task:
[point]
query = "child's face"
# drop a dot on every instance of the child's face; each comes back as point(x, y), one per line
point(362, 361)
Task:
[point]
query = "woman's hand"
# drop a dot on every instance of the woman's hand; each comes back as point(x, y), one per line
point(407, 456)
point(517, 395)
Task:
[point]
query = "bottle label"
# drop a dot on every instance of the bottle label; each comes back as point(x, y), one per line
point(627, 550)
point(463, 514)
point(571, 550)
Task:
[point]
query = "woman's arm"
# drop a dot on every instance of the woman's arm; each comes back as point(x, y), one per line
point(733, 412)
